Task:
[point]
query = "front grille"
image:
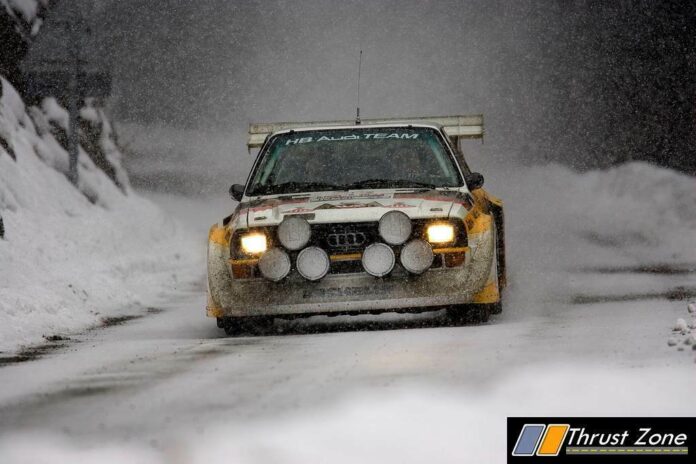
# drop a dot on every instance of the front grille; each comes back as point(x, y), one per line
point(344, 238)
point(346, 267)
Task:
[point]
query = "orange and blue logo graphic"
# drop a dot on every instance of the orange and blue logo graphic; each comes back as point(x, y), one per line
point(540, 440)
point(606, 439)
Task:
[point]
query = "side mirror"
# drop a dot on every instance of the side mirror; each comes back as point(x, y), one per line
point(237, 191)
point(474, 180)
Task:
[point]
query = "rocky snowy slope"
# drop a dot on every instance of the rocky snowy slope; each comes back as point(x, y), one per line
point(74, 256)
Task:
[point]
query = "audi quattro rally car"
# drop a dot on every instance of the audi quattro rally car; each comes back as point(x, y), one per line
point(345, 218)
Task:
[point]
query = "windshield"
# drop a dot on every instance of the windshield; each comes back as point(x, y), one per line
point(341, 159)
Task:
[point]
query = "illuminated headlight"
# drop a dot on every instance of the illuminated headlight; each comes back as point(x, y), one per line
point(440, 233)
point(254, 243)
point(395, 227)
point(274, 264)
point(417, 256)
point(294, 232)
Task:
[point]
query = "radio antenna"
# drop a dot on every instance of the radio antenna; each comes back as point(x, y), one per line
point(357, 116)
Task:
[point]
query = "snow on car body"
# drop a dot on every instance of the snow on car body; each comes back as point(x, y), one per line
point(340, 218)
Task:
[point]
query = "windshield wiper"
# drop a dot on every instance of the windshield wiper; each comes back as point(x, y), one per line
point(294, 187)
point(388, 183)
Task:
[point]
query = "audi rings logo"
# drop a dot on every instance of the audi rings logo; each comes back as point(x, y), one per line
point(343, 238)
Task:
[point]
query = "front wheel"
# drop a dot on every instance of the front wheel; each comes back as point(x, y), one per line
point(470, 313)
point(247, 325)
point(496, 308)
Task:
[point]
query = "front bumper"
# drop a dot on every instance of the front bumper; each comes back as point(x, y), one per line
point(340, 293)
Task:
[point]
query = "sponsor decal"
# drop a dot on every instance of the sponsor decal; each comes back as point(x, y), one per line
point(266, 204)
point(349, 205)
point(450, 197)
point(343, 292)
point(298, 211)
point(373, 136)
point(351, 196)
point(605, 440)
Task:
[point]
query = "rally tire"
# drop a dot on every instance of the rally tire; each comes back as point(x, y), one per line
point(469, 314)
point(231, 327)
point(497, 307)
point(500, 252)
point(247, 325)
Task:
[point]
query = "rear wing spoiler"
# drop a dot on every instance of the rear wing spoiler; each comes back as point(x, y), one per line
point(456, 127)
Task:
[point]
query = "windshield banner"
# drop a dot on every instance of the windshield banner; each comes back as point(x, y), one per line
point(373, 136)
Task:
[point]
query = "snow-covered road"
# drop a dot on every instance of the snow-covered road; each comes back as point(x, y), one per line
point(585, 331)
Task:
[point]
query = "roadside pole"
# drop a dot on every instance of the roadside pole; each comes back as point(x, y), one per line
point(74, 95)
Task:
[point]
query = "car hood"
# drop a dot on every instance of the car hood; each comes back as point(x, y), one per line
point(351, 206)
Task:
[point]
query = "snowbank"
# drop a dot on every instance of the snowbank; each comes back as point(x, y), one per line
point(648, 211)
point(642, 212)
point(71, 256)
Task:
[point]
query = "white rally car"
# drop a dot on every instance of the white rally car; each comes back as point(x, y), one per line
point(345, 218)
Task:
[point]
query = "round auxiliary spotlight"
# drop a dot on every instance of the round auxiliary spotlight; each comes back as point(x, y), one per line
point(378, 259)
point(274, 264)
point(294, 232)
point(313, 263)
point(417, 256)
point(395, 227)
